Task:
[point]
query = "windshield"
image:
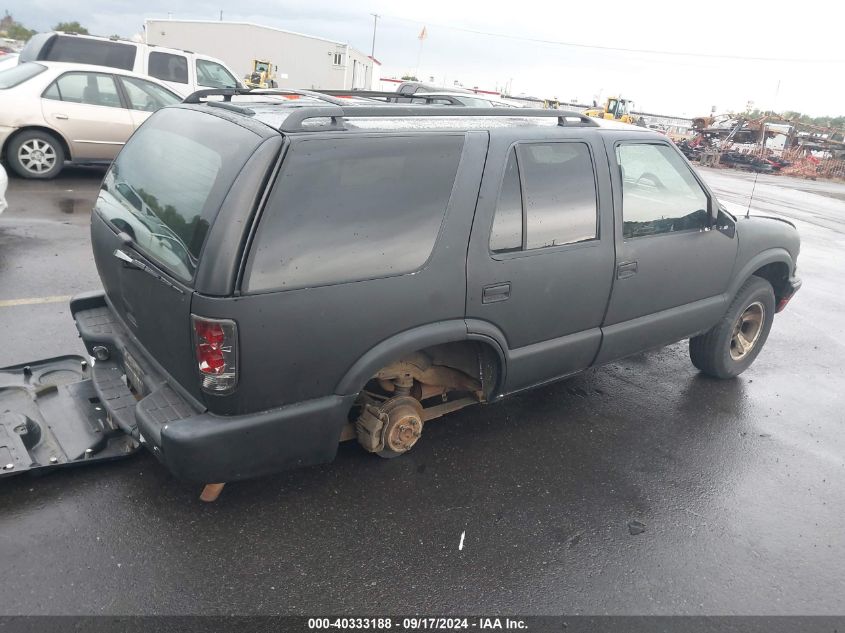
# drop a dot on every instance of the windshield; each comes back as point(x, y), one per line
point(166, 186)
point(16, 75)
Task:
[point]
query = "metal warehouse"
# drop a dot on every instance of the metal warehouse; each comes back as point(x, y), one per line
point(303, 61)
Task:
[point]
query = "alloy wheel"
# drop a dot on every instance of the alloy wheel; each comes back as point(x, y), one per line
point(37, 156)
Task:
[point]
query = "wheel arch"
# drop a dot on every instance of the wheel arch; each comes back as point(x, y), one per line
point(37, 128)
point(415, 340)
point(774, 265)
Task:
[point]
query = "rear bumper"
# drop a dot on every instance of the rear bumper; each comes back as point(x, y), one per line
point(793, 284)
point(193, 443)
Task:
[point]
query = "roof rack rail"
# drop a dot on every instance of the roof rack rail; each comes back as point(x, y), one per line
point(393, 97)
point(294, 121)
point(228, 93)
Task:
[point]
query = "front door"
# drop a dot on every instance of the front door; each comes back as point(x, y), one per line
point(672, 269)
point(540, 263)
point(86, 109)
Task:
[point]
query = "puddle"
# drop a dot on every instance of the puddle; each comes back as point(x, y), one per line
point(67, 205)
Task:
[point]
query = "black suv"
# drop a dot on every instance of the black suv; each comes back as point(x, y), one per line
point(283, 275)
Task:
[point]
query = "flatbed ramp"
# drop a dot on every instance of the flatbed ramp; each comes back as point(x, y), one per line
point(51, 417)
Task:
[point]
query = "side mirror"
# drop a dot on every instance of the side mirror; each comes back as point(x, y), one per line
point(713, 208)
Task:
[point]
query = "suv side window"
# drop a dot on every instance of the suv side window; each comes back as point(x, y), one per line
point(87, 88)
point(213, 75)
point(548, 198)
point(80, 50)
point(659, 192)
point(351, 210)
point(507, 231)
point(169, 67)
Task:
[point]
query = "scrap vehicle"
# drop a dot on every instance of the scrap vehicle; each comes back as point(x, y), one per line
point(53, 113)
point(616, 109)
point(325, 270)
point(262, 75)
point(182, 71)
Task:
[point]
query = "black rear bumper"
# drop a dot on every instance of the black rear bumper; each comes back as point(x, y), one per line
point(192, 442)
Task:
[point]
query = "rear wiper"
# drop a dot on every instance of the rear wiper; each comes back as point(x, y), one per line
point(128, 260)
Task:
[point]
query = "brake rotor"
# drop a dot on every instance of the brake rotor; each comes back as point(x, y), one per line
point(404, 423)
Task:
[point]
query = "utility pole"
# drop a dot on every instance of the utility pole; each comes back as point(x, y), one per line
point(376, 16)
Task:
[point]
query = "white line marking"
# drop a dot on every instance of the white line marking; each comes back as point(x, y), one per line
point(461, 546)
point(7, 303)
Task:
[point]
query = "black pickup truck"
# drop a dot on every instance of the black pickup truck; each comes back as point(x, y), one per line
point(280, 276)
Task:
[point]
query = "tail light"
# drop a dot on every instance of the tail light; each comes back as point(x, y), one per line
point(216, 345)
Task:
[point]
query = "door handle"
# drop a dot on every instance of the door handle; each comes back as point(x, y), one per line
point(496, 293)
point(63, 117)
point(626, 269)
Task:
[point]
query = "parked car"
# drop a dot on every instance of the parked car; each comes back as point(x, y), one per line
point(340, 271)
point(182, 71)
point(52, 112)
point(4, 182)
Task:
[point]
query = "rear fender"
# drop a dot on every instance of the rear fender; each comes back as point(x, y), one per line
point(413, 340)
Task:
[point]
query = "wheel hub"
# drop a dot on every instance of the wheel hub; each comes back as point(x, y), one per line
point(394, 427)
point(747, 330)
point(403, 430)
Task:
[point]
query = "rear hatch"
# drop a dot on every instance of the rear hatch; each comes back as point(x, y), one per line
point(156, 207)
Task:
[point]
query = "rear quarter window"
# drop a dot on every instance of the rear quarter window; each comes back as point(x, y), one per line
point(350, 210)
point(16, 75)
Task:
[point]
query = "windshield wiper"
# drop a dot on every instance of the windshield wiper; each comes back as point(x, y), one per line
point(128, 260)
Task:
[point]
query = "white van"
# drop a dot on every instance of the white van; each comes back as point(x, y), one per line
point(183, 71)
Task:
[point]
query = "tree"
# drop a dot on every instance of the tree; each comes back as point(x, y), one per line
point(18, 31)
point(409, 78)
point(14, 30)
point(71, 27)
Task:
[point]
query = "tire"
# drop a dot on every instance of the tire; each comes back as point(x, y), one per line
point(730, 346)
point(35, 154)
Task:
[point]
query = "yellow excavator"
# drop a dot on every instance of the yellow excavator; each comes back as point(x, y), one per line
point(263, 75)
point(616, 109)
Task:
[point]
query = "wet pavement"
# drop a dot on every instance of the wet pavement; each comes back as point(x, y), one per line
point(640, 487)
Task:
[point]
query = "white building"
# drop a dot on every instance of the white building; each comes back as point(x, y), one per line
point(303, 61)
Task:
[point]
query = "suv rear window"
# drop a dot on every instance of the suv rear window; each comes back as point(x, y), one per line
point(167, 184)
point(354, 209)
point(70, 48)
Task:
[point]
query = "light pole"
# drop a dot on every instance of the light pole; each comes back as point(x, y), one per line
point(376, 16)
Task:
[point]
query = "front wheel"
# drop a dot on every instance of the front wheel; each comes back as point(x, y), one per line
point(730, 346)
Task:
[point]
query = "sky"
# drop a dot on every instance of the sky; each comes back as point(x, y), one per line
point(547, 49)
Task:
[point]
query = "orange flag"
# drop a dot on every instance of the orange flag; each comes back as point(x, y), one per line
point(423, 34)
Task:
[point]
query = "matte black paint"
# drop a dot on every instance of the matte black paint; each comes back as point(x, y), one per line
point(557, 310)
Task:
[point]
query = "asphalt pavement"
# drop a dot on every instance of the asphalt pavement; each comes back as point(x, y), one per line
point(637, 488)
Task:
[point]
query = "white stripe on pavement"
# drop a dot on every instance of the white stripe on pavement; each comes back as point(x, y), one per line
point(8, 303)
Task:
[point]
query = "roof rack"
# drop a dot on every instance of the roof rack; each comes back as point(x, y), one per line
point(393, 97)
point(338, 109)
point(228, 93)
point(295, 120)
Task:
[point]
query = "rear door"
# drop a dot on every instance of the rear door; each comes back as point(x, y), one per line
point(540, 262)
point(87, 109)
point(672, 269)
point(164, 192)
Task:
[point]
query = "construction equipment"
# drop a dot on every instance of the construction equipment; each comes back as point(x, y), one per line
point(616, 109)
point(263, 75)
